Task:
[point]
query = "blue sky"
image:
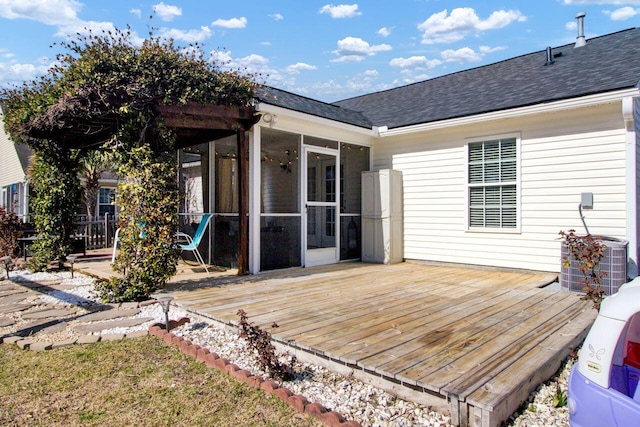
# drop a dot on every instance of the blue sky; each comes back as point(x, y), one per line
point(327, 51)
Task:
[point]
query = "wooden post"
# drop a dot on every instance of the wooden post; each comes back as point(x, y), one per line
point(243, 208)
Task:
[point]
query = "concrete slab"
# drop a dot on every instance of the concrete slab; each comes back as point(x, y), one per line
point(47, 314)
point(15, 308)
point(111, 337)
point(88, 339)
point(108, 315)
point(128, 305)
point(9, 291)
point(111, 324)
point(10, 299)
point(41, 346)
point(64, 343)
point(6, 322)
point(24, 344)
point(12, 339)
point(53, 329)
point(137, 334)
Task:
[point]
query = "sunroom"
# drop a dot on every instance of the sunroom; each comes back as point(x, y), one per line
point(304, 197)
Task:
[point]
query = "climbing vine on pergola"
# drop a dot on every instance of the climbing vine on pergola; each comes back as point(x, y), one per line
point(140, 101)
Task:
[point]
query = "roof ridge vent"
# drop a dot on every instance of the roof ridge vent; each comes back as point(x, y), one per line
point(580, 41)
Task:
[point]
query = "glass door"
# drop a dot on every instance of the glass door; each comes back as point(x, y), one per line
point(321, 206)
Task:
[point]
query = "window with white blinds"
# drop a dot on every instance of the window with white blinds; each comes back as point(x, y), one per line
point(493, 191)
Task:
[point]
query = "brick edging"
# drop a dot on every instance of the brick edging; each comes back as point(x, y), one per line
point(298, 402)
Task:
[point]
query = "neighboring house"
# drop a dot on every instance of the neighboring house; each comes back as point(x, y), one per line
point(494, 162)
point(14, 182)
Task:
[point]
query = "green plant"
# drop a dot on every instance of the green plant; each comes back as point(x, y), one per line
point(55, 203)
point(259, 341)
point(148, 222)
point(588, 252)
point(9, 233)
point(559, 398)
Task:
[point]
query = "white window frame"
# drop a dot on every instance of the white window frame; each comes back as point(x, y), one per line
point(98, 204)
point(469, 141)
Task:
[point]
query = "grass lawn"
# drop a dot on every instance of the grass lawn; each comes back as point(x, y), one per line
point(131, 382)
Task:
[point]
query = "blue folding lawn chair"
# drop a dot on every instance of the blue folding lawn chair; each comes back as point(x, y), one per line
point(193, 242)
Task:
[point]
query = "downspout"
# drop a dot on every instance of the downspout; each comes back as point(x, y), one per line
point(631, 114)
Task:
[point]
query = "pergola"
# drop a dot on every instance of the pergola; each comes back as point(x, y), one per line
point(192, 123)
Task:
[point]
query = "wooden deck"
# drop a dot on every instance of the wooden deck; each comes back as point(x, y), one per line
point(476, 342)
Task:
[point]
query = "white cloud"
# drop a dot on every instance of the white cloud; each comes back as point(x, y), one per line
point(51, 12)
point(443, 27)
point(621, 14)
point(614, 2)
point(356, 49)
point(415, 62)
point(14, 73)
point(300, 66)
point(266, 43)
point(167, 12)
point(136, 12)
point(384, 32)
point(254, 64)
point(277, 16)
point(487, 49)
point(408, 77)
point(83, 27)
point(341, 10)
point(230, 23)
point(465, 54)
point(571, 25)
point(191, 36)
point(371, 73)
point(222, 57)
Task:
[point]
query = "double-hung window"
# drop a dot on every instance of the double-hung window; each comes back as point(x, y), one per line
point(493, 183)
point(106, 199)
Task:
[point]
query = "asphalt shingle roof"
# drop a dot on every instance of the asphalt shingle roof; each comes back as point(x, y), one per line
point(291, 101)
point(604, 64)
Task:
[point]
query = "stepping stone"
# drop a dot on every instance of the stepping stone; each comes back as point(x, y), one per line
point(24, 344)
point(12, 339)
point(41, 346)
point(128, 305)
point(6, 322)
point(64, 343)
point(6, 293)
point(53, 329)
point(47, 313)
point(10, 299)
point(37, 326)
point(88, 339)
point(112, 337)
point(109, 315)
point(111, 324)
point(137, 334)
point(14, 308)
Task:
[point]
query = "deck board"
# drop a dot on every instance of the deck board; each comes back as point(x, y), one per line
point(481, 339)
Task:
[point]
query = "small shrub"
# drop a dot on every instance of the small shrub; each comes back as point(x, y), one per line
point(588, 252)
point(10, 231)
point(259, 341)
point(559, 398)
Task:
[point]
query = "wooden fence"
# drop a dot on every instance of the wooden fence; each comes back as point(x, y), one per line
point(98, 232)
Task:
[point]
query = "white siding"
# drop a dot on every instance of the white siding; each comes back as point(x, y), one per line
point(562, 155)
point(11, 171)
